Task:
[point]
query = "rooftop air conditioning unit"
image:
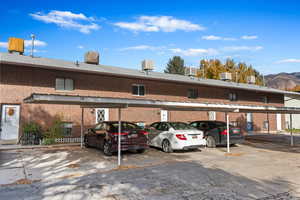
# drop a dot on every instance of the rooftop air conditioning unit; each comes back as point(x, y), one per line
point(225, 76)
point(91, 57)
point(190, 71)
point(15, 45)
point(147, 65)
point(251, 79)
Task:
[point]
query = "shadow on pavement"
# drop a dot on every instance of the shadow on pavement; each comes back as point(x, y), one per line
point(167, 180)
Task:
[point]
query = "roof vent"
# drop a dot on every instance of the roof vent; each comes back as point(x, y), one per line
point(16, 45)
point(147, 65)
point(91, 57)
point(225, 76)
point(251, 79)
point(191, 71)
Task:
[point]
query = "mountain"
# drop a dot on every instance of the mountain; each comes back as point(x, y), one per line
point(283, 81)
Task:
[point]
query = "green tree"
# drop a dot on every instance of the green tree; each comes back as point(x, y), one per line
point(175, 66)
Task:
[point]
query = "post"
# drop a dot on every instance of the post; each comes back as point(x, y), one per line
point(119, 137)
point(268, 123)
point(227, 128)
point(81, 127)
point(291, 127)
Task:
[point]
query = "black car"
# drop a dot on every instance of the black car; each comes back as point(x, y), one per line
point(215, 133)
point(105, 136)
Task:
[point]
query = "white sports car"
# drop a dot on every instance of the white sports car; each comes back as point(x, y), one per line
point(171, 136)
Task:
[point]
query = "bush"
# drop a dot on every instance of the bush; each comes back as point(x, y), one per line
point(56, 130)
point(32, 133)
point(48, 141)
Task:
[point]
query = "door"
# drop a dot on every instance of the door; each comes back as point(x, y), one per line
point(278, 118)
point(10, 119)
point(249, 121)
point(102, 114)
point(163, 115)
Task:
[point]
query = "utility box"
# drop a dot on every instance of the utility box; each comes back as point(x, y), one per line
point(147, 65)
point(91, 57)
point(251, 79)
point(225, 76)
point(190, 71)
point(15, 45)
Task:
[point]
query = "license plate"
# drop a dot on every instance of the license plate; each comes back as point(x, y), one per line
point(194, 137)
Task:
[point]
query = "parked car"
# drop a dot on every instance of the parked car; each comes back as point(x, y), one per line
point(215, 133)
point(171, 136)
point(105, 136)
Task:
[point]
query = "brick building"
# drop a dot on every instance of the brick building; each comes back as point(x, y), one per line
point(20, 76)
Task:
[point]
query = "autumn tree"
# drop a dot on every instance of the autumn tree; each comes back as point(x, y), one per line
point(211, 69)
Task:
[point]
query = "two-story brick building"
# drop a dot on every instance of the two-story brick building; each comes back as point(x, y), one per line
point(20, 76)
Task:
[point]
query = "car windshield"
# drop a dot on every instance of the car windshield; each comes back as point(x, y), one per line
point(181, 126)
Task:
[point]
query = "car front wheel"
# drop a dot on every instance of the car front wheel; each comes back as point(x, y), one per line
point(107, 149)
point(166, 146)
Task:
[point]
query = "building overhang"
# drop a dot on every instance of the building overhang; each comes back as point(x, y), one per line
point(109, 102)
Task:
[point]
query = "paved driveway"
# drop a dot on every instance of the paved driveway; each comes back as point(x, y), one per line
point(249, 172)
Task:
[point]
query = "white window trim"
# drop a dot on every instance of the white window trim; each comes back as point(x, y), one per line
point(137, 95)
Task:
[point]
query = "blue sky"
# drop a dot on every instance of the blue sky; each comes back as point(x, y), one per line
point(263, 33)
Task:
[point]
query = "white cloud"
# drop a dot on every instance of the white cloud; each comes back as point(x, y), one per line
point(3, 44)
point(37, 43)
point(243, 48)
point(159, 23)
point(249, 37)
point(141, 47)
point(67, 19)
point(27, 43)
point(290, 60)
point(213, 37)
point(194, 52)
point(80, 47)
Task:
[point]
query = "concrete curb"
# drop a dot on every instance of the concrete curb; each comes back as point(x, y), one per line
point(6, 147)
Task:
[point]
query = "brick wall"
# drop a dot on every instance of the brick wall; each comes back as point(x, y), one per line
point(18, 82)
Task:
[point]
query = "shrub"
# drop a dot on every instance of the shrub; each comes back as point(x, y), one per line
point(48, 141)
point(56, 129)
point(32, 133)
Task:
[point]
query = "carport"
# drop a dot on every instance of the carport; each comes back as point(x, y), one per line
point(120, 103)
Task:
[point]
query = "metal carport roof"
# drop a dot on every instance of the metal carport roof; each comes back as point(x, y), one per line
point(109, 102)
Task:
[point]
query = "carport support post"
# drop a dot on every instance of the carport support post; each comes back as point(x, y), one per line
point(227, 128)
point(81, 128)
point(291, 127)
point(119, 137)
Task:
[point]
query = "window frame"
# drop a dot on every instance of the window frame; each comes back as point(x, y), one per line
point(232, 96)
point(194, 93)
point(64, 87)
point(64, 131)
point(138, 86)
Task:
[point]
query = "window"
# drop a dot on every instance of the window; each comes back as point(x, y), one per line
point(192, 93)
point(163, 127)
point(64, 84)
point(138, 90)
point(67, 129)
point(265, 99)
point(232, 96)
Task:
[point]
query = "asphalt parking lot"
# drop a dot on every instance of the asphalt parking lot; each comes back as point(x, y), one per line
point(254, 170)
